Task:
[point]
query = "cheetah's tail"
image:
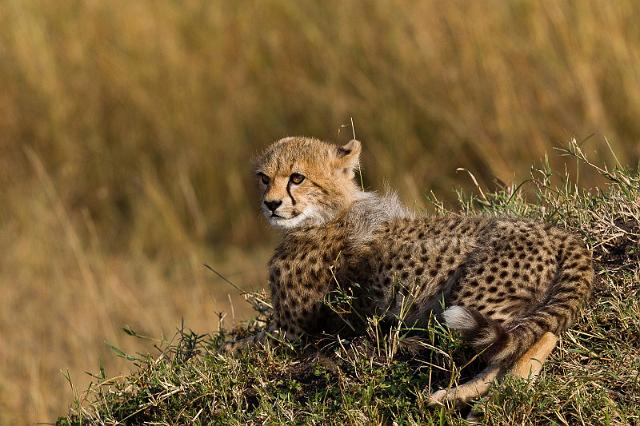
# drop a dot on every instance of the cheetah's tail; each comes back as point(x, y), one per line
point(504, 345)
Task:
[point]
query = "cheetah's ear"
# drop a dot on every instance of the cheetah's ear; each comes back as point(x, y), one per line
point(349, 155)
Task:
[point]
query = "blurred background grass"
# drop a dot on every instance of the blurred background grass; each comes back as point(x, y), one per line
point(126, 131)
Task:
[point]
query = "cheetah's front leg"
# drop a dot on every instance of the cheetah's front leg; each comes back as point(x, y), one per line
point(234, 346)
point(256, 339)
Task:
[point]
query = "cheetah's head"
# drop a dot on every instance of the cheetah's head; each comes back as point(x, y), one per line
point(306, 182)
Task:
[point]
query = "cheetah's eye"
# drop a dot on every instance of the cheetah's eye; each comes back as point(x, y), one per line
point(296, 178)
point(264, 178)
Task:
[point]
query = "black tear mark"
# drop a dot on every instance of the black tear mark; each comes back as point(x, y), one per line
point(293, 200)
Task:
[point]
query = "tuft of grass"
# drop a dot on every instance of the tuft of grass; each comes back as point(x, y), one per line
point(384, 377)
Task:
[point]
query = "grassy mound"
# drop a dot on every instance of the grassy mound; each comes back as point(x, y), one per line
point(385, 377)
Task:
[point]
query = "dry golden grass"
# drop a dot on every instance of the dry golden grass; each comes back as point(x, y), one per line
point(65, 301)
point(126, 130)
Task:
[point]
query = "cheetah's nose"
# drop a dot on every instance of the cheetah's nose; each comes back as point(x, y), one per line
point(273, 205)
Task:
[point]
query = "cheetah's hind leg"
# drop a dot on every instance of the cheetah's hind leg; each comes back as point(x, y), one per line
point(528, 367)
point(530, 364)
point(465, 392)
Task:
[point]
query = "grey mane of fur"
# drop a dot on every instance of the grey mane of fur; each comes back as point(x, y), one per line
point(370, 211)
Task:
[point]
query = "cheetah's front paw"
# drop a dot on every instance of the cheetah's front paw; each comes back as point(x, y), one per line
point(236, 345)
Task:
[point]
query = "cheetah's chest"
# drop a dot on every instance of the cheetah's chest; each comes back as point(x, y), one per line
point(309, 279)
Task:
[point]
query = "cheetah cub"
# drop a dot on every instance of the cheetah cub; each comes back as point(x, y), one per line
point(510, 286)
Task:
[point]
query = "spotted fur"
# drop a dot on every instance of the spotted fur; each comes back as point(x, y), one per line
point(505, 282)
